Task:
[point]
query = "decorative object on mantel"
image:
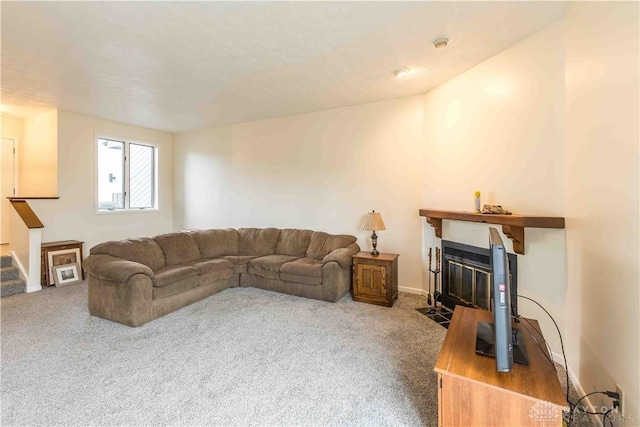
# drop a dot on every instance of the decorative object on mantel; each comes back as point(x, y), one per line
point(374, 222)
point(512, 225)
point(494, 210)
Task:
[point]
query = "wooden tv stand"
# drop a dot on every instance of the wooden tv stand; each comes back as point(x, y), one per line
point(472, 393)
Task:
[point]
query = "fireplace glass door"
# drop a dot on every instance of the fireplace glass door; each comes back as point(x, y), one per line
point(466, 276)
point(469, 284)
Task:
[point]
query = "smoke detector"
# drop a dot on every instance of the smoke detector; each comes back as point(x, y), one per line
point(401, 72)
point(440, 43)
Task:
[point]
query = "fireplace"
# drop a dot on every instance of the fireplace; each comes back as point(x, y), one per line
point(466, 276)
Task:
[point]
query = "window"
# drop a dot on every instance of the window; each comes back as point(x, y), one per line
point(127, 175)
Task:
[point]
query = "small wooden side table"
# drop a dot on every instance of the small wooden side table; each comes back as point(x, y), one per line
point(47, 247)
point(375, 278)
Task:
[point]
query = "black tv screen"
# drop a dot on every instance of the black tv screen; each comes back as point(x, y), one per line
point(499, 339)
point(501, 304)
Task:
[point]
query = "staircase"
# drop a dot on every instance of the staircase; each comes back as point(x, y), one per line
point(10, 282)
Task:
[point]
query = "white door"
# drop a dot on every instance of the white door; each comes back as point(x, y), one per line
point(8, 186)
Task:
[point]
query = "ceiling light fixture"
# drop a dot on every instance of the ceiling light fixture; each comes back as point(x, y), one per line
point(440, 43)
point(401, 72)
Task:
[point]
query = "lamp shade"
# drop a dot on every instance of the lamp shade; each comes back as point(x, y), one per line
point(374, 222)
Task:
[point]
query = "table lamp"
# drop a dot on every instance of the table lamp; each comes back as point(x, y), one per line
point(374, 222)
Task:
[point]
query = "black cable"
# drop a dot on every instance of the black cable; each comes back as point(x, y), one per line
point(580, 400)
point(538, 343)
point(519, 319)
point(564, 356)
point(611, 394)
point(606, 417)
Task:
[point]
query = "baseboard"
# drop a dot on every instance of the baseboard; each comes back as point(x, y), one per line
point(416, 291)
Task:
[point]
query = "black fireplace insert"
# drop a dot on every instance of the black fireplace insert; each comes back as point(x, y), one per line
point(466, 276)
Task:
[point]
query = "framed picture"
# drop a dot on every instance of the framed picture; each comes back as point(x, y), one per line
point(62, 257)
point(66, 274)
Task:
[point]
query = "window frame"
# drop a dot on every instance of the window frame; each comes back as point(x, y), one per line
point(126, 167)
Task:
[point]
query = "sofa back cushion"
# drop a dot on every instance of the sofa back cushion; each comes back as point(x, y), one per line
point(322, 243)
point(257, 241)
point(293, 242)
point(217, 243)
point(178, 247)
point(144, 251)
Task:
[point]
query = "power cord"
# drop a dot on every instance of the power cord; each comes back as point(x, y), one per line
point(606, 417)
point(532, 335)
point(572, 406)
point(564, 356)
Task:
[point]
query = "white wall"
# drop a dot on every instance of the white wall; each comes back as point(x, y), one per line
point(12, 127)
point(511, 129)
point(38, 169)
point(320, 171)
point(602, 187)
point(497, 128)
point(74, 216)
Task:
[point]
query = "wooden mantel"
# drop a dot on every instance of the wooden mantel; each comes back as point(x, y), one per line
point(512, 225)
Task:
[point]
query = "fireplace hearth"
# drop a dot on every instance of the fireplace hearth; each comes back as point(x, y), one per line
point(466, 276)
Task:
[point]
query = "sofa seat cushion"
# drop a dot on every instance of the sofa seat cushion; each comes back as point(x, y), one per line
point(165, 276)
point(240, 262)
point(176, 287)
point(173, 280)
point(212, 269)
point(269, 266)
point(303, 270)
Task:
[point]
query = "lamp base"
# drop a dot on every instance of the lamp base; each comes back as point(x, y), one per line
point(374, 243)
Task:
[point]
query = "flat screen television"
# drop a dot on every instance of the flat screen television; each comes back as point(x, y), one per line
point(499, 339)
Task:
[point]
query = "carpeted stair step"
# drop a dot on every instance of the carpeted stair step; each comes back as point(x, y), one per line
point(10, 282)
point(9, 273)
point(12, 287)
point(6, 261)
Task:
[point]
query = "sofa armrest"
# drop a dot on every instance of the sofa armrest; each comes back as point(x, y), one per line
point(342, 255)
point(113, 268)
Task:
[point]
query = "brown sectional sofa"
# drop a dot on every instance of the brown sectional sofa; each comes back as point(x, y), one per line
point(137, 280)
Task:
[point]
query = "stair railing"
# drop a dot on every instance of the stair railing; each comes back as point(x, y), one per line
point(26, 241)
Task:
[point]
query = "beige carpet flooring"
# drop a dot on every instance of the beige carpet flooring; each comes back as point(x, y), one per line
point(241, 357)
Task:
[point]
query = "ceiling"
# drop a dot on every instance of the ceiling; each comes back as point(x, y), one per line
point(180, 66)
